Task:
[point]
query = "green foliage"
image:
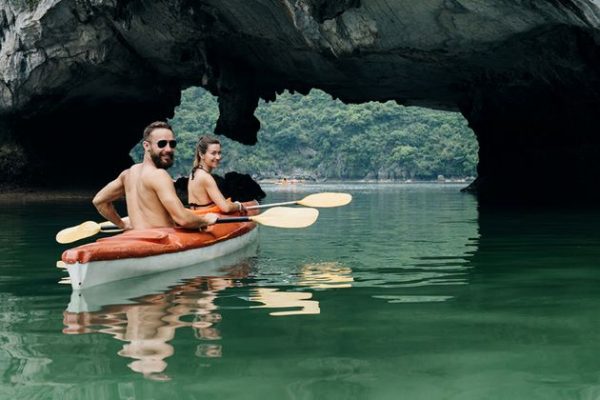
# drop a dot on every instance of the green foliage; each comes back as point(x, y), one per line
point(315, 136)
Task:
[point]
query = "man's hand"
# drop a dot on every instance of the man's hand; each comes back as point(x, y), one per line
point(208, 219)
point(126, 224)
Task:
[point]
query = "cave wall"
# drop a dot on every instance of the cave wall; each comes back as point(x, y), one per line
point(524, 74)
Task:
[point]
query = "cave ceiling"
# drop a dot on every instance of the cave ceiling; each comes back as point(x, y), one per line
point(521, 73)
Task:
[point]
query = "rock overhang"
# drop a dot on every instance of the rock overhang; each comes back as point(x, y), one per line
point(488, 59)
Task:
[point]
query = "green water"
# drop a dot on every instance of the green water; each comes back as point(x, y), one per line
point(407, 293)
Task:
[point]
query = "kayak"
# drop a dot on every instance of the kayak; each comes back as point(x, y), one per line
point(147, 251)
point(143, 289)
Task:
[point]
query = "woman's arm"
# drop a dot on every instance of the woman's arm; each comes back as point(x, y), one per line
point(165, 190)
point(213, 192)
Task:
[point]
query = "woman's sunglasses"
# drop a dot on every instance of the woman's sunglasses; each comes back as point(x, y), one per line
point(162, 143)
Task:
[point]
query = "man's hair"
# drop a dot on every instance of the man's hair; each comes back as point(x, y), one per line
point(155, 125)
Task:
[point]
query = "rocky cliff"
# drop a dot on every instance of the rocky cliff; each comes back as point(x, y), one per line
point(79, 79)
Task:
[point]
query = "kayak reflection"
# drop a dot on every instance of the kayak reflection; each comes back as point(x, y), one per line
point(145, 312)
point(147, 324)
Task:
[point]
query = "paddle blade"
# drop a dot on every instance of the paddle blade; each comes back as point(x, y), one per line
point(81, 231)
point(327, 199)
point(286, 217)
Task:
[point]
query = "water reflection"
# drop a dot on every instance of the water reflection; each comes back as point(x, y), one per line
point(150, 322)
point(148, 327)
point(323, 275)
point(326, 275)
point(273, 298)
point(147, 324)
point(428, 298)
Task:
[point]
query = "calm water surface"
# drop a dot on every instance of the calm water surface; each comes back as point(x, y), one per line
point(408, 292)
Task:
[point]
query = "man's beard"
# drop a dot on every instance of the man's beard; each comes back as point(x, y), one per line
point(160, 163)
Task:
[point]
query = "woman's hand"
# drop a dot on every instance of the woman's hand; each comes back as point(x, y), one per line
point(241, 208)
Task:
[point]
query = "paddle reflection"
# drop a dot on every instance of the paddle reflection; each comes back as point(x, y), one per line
point(149, 325)
point(273, 298)
point(326, 275)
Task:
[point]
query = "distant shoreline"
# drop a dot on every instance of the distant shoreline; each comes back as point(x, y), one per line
point(45, 195)
point(27, 195)
point(366, 181)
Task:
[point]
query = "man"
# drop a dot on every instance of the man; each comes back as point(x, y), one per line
point(148, 188)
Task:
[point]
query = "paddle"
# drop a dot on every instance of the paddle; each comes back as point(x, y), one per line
point(278, 217)
point(91, 228)
point(85, 229)
point(319, 200)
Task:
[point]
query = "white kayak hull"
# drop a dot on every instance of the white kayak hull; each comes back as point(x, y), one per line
point(86, 275)
point(130, 291)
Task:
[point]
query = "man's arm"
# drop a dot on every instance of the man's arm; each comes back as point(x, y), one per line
point(103, 201)
point(165, 190)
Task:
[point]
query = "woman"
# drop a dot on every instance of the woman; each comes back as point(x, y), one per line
point(202, 188)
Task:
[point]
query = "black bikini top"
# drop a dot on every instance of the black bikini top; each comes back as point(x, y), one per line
point(194, 206)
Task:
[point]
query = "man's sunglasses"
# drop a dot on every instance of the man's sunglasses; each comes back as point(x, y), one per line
point(162, 143)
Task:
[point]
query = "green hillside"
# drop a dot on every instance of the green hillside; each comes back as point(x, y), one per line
point(318, 138)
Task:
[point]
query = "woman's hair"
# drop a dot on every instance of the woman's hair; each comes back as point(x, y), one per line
point(201, 148)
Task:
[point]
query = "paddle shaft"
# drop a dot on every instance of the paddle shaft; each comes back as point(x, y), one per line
point(232, 219)
point(280, 217)
point(108, 228)
point(285, 203)
point(318, 200)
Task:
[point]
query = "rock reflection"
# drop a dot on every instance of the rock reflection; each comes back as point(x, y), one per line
point(148, 325)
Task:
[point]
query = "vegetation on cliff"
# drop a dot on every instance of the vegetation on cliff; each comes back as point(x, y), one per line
point(316, 137)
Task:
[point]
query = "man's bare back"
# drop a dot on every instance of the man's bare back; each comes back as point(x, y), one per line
point(143, 205)
point(148, 188)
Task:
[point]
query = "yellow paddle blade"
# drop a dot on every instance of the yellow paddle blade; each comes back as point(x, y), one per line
point(287, 217)
point(74, 233)
point(327, 199)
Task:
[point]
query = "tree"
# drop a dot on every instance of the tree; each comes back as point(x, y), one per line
point(324, 138)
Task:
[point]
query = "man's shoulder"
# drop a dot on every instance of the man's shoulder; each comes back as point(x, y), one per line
point(133, 170)
point(155, 175)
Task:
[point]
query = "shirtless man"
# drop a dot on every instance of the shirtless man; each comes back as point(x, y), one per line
point(148, 189)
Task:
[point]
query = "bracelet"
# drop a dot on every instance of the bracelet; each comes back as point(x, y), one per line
point(239, 205)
